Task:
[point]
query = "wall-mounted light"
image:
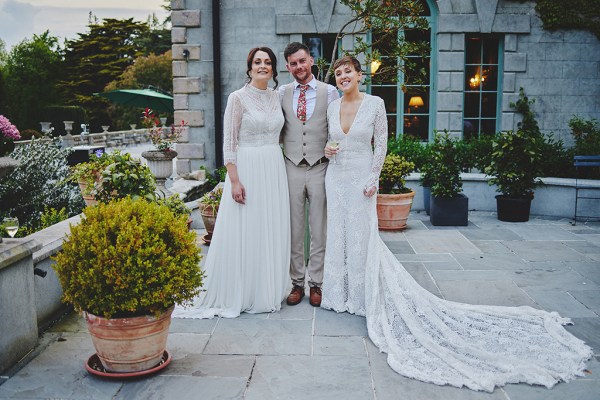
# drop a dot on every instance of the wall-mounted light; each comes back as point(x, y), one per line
point(186, 54)
point(375, 64)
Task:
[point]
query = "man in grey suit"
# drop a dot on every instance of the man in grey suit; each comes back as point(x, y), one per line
point(304, 103)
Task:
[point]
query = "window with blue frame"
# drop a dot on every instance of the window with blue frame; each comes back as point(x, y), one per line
point(482, 94)
point(409, 111)
point(321, 50)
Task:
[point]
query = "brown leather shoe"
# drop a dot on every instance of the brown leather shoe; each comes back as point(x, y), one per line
point(315, 296)
point(295, 296)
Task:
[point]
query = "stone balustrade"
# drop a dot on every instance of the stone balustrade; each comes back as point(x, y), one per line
point(106, 139)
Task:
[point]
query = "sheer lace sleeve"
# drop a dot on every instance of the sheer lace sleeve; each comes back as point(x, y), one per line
point(380, 134)
point(231, 128)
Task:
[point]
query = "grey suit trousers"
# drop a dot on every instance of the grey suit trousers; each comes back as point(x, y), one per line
point(307, 183)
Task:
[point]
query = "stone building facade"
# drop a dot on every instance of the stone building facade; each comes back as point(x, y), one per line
point(482, 52)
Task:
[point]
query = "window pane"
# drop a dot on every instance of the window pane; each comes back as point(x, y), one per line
point(472, 77)
point(416, 102)
point(490, 51)
point(488, 126)
point(488, 105)
point(473, 51)
point(470, 128)
point(417, 126)
point(416, 67)
point(472, 105)
point(391, 119)
point(388, 94)
point(490, 75)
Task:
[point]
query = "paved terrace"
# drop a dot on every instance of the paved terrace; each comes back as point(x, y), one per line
point(306, 352)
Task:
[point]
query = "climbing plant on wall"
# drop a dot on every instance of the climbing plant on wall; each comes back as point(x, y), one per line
point(573, 14)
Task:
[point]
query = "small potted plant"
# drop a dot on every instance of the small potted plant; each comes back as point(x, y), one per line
point(209, 206)
point(88, 174)
point(449, 207)
point(514, 167)
point(394, 199)
point(125, 265)
point(177, 207)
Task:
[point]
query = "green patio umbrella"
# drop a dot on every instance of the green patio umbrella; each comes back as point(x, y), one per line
point(140, 98)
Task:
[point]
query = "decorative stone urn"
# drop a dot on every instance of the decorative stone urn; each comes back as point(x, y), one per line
point(161, 165)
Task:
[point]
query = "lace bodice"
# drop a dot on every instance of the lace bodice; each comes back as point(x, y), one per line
point(253, 117)
point(369, 126)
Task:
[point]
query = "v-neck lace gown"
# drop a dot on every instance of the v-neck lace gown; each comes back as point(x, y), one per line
point(425, 337)
point(247, 266)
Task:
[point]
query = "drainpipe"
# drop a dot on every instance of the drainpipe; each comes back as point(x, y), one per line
point(216, 36)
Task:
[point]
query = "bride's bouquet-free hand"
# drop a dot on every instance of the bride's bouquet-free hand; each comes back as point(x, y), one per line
point(162, 137)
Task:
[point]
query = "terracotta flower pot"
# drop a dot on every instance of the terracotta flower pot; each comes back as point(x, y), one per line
point(209, 218)
point(87, 198)
point(129, 344)
point(393, 210)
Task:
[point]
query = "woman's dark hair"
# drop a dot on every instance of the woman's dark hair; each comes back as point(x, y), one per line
point(271, 56)
point(347, 60)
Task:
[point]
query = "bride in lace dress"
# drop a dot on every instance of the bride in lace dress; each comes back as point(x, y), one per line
point(248, 261)
point(425, 337)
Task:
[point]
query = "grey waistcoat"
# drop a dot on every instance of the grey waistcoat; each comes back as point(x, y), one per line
point(305, 139)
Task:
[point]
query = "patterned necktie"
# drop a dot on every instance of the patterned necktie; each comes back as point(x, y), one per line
point(301, 113)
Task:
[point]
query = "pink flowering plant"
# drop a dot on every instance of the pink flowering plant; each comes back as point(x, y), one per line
point(9, 133)
point(163, 138)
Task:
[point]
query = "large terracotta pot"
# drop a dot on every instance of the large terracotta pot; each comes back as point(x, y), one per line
point(129, 344)
point(87, 198)
point(393, 210)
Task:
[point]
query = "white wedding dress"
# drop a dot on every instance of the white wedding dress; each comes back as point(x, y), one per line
point(425, 337)
point(247, 266)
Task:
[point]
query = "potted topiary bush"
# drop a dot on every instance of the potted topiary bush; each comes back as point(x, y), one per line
point(125, 265)
point(394, 199)
point(449, 207)
point(514, 167)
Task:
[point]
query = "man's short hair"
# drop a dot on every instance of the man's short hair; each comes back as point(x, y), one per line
point(294, 47)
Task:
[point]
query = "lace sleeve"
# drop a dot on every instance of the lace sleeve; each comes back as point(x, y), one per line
point(231, 128)
point(380, 134)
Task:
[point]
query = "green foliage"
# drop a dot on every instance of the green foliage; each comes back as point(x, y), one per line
point(151, 70)
point(574, 14)
point(385, 19)
point(98, 57)
point(586, 134)
point(395, 169)
point(515, 163)
point(175, 204)
point(124, 176)
point(28, 134)
point(39, 182)
point(443, 171)
point(411, 149)
point(129, 257)
point(31, 74)
point(52, 216)
point(523, 107)
point(57, 114)
point(212, 199)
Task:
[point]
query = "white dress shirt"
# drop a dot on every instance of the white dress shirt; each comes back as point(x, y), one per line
point(311, 95)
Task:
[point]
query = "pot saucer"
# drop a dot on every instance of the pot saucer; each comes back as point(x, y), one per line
point(94, 366)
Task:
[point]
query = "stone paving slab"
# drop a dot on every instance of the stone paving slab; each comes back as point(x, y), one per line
point(182, 388)
point(544, 251)
point(423, 277)
point(331, 323)
point(549, 278)
point(587, 330)
point(251, 336)
point(316, 377)
point(562, 302)
point(490, 233)
point(491, 246)
point(450, 241)
point(489, 292)
point(589, 298)
point(589, 269)
point(497, 261)
point(399, 247)
point(532, 232)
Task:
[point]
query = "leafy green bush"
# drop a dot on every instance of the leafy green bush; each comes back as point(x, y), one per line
point(587, 136)
point(443, 172)
point(395, 169)
point(515, 163)
point(175, 204)
point(129, 257)
point(39, 182)
point(411, 149)
point(125, 176)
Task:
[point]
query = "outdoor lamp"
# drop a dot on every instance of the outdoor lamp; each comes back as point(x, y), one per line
point(375, 64)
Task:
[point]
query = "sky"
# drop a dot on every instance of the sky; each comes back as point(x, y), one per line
point(20, 19)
